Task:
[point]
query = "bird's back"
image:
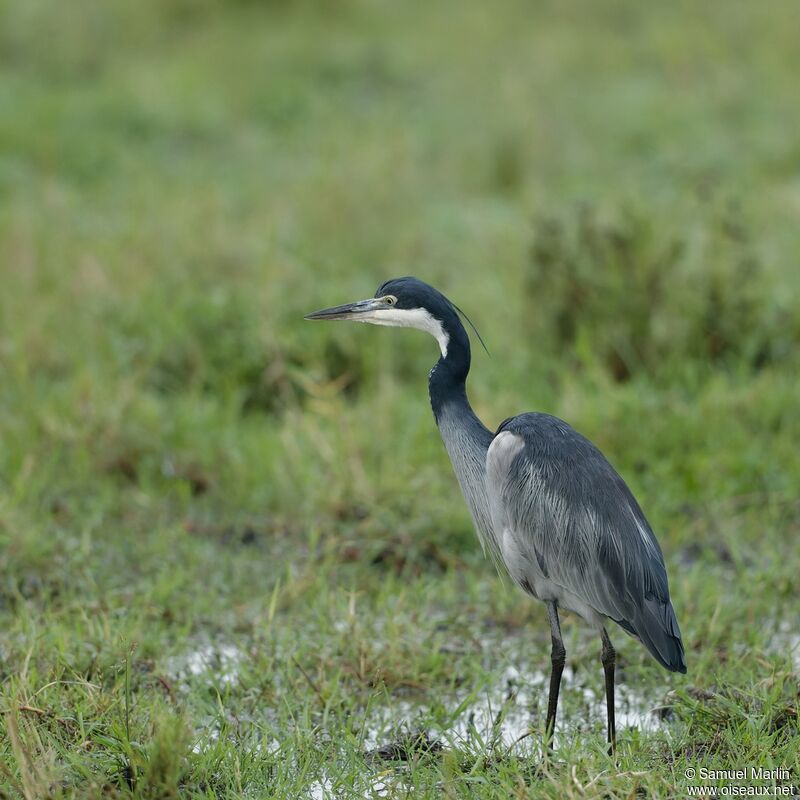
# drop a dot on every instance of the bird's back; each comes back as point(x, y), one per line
point(568, 525)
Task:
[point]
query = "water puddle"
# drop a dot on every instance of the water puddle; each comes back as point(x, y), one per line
point(507, 711)
point(787, 641)
point(218, 663)
point(379, 786)
point(497, 716)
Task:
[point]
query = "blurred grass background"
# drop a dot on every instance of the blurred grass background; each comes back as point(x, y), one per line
point(611, 192)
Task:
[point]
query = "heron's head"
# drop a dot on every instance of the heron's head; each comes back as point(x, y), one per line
point(403, 303)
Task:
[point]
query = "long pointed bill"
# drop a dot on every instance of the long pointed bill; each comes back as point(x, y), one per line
point(357, 312)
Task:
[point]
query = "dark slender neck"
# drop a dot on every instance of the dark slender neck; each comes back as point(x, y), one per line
point(465, 437)
point(447, 381)
point(445, 389)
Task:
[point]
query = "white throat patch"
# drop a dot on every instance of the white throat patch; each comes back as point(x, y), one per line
point(417, 318)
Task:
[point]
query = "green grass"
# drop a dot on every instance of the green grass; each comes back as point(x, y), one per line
point(234, 561)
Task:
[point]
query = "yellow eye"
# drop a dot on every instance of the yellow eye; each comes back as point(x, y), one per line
point(390, 299)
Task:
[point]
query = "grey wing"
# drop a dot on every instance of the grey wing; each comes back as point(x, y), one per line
point(568, 520)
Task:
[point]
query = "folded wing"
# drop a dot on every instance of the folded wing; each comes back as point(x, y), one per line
point(574, 521)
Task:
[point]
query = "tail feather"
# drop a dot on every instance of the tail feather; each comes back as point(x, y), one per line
point(657, 628)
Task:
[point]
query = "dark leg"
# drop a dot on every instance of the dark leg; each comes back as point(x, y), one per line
point(607, 657)
point(558, 656)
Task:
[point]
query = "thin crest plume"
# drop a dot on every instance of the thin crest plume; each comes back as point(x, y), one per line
point(477, 332)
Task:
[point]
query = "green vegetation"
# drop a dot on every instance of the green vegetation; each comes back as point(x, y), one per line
point(234, 561)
